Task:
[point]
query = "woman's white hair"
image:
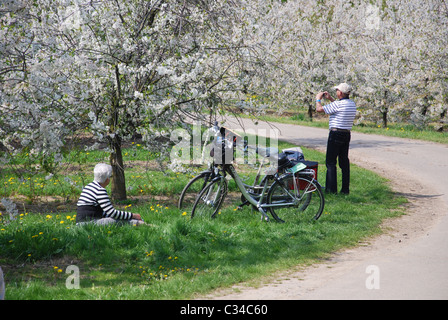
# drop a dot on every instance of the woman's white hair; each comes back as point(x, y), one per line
point(102, 172)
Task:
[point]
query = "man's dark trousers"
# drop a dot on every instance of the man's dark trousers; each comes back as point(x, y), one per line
point(337, 149)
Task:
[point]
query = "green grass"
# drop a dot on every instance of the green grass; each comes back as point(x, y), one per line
point(177, 257)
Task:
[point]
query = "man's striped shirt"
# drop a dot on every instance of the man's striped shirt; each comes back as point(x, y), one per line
point(95, 195)
point(342, 113)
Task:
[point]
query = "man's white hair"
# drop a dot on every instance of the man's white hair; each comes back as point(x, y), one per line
point(102, 172)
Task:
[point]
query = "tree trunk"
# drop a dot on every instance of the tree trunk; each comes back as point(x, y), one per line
point(384, 109)
point(384, 113)
point(310, 111)
point(311, 108)
point(118, 182)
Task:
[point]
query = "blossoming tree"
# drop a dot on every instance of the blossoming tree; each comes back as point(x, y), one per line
point(393, 52)
point(117, 68)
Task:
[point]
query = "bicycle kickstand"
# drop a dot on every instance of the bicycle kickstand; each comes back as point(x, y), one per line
point(264, 216)
point(245, 203)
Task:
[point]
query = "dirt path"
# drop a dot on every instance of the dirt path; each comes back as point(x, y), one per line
point(408, 261)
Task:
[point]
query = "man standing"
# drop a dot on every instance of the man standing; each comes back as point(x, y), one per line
point(342, 114)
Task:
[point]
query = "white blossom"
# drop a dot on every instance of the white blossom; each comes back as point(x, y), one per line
point(121, 66)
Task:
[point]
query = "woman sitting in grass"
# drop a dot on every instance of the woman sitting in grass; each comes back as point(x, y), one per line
point(94, 205)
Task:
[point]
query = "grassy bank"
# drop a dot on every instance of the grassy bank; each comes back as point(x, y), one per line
point(176, 257)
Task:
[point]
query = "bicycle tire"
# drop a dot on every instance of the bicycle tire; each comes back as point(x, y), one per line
point(310, 206)
point(193, 187)
point(210, 199)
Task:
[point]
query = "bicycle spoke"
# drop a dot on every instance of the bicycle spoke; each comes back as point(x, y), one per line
point(192, 189)
point(302, 198)
point(210, 199)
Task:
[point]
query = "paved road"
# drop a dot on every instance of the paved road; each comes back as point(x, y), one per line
point(412, 262)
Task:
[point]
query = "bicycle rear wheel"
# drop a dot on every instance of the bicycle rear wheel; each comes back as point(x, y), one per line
point(210, 199)
point(192, 189)
point(304, 192)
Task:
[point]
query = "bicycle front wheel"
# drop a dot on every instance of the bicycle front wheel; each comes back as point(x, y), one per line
point(210, 199)
point(302, 198)
point(192, 189)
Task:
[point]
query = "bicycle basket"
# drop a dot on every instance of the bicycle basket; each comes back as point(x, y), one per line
point(223, 147)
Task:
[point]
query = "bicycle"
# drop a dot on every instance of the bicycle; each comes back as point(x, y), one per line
point(290, 189)
point(197, 183)
point(200, 181)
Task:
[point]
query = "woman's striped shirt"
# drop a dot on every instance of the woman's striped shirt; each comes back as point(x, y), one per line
point(95, 195)
point(342, 113)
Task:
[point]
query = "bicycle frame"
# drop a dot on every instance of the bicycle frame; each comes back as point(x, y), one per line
point(287, 193)
point(258, 200)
